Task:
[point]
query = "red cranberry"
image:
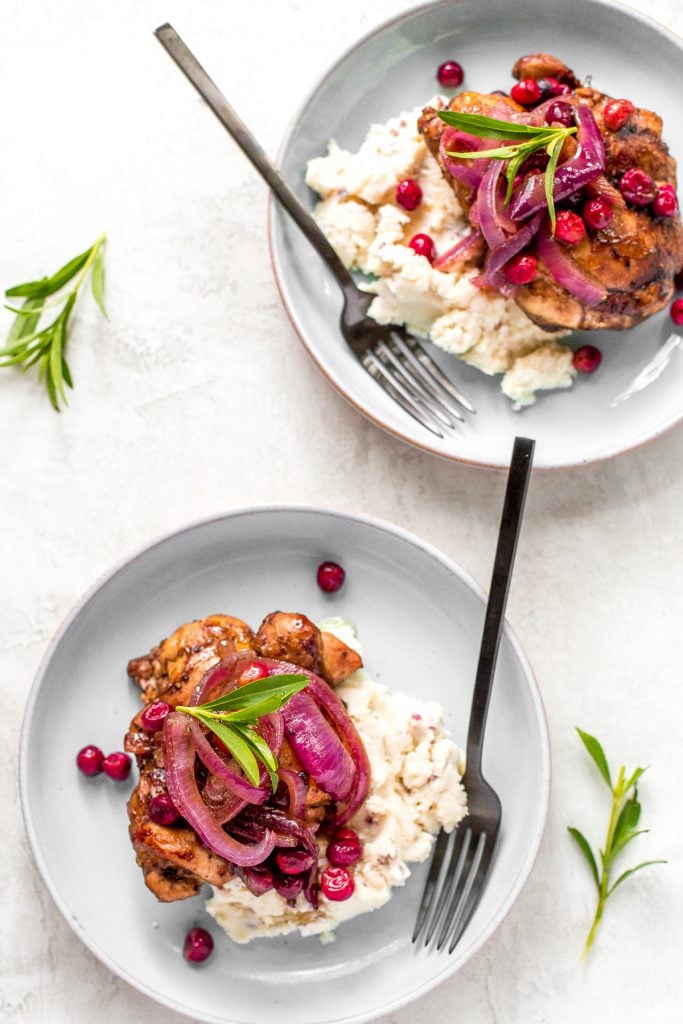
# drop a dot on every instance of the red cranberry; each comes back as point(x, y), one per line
point(423, 245)
point(665, 203)
point(408, 194)
point(289, 887)
point(551, 87)
point(337, 884)
point(587, 359)
point(522, 269)
point(330, 577)
point(258, 879)
point(153, 717)
point(293, 862)
point(677, 312)
point(450, 74)
point(90, 760)
point(198, 945)
point(616, 113)
point(637, 187)
point(254, 671)
point(527, 92)
point(560, 113)
point(345, 848)
point(570, 228)
point(162, 810)
point(117, 766)
point(597, 213)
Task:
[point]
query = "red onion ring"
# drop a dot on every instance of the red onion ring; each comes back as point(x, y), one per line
point(565, 271)
point(296, 788)
point(217, 766)
point(497, 258)
point(317, 745)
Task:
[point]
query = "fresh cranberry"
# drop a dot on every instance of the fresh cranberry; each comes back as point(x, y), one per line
point(288, 887)
point(198, 945)
point(522, 269)
point(408, 194)
point(597, 213)
point(90, 760)
point(637, 187)
point(450, 74)
point(587, 359)
point(258, 879)
point(337, 884)
point(527, 92)
point(570, 228)
point(616, 113)
point(560, 113)
point(254, 671)
point(345, 848)
point(153, 717)
point(677, 312)
point(162, 810)
point(293, 862)
point(665, 203)
point(423, 245)
point(330, 577)
point(551, 87)
point(117, 766)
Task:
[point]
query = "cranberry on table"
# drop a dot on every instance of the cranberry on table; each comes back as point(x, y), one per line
point(162, 810)
point(597, 213)
point(616, 113)
point(587, 359)
point(408, 194)
point(198, 945)
point(560, 113)
point(254, 671)
point(450, 74)
point(117, 766)
point(527, 92)
point(423, 245)
point(522, 269)
point(637, 187)
point(677, 312)
point(665, 203)
point(569, 228)
point(337, 884)
point(288, 886)
point(153, 717)
point(293, 862)
point(330, 577)
point(90, 760)
point(344, 849)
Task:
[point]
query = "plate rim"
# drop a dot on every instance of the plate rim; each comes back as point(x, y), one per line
point(102, 581)
point(277, 260)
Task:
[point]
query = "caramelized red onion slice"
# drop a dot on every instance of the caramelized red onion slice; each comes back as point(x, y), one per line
point(587, 164)
point(565, 271)
point(179, 761)
point(318, 746)
point(460, 251)
point(514, 244)
point(223, 674)
point(217, 766)
point(296, 788)
point(453, 140)
point(492, 220)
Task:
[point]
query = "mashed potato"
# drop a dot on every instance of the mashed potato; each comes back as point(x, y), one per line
point(415, 791)
point(359, 215)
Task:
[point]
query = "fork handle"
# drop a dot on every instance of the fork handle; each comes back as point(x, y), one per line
point(212, 95)
point(511, 521)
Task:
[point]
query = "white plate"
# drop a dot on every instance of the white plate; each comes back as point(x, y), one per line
point(419, 618)
point(393, 69)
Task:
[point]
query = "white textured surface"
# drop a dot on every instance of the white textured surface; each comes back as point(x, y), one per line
point(101, 132)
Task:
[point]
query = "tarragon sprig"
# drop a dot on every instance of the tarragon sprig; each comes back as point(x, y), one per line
point(522, 139)
point(621, 830)
point(28, 344)
point(233, 719)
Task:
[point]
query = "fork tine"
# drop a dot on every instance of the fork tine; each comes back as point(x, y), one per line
point(450, 886)
point(415, 385)
point(427, 376)
point(430, 889)
point(459, 898)
point(423, 357)
point(475, 895)
point(380, 374)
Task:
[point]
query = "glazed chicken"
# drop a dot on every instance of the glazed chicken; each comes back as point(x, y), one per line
point(174, 862)
point(633, 259)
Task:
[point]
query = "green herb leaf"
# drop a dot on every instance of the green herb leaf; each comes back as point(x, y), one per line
point(490, 127)
point(236, 744)
point(634, 778)
point(597, 753)
point(262, 751)
point(585, 848)
point(253, 693)
point(97, 281)
point(26, 323)
point(553, 150)
point(632, 871)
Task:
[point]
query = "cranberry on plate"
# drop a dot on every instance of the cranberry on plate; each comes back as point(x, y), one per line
point(408, 194)
point(560, 113)
point(344, 848)
point(597, 213)
point(117, 766)
point(587, 359)
point(293, 862)
point(569, 228)
point(676, 312)
point(616, 113)
point(198, 945)
point(423, 245)
point(527, 92)
point(637, 187)
point(522, 269)
point(665, 203)
point(337, 884)
point(155, 714)
point(450, 74)
point(330, 577)
point(162, 810)
point(90, 760)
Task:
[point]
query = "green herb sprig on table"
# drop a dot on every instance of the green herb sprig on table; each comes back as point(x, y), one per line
point(522, 139)
point(233, 719)
point(621, 830)
point(29, 344)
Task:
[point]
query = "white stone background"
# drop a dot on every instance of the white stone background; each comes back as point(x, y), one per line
point(99, 132)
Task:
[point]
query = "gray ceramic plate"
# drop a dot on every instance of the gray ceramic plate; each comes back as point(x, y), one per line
point(393, 69)
point(419, 618)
